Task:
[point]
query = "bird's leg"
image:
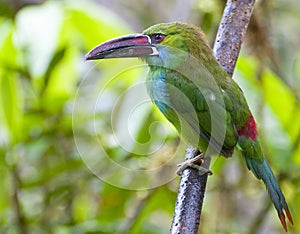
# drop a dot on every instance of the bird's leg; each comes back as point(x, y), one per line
point(194, 163)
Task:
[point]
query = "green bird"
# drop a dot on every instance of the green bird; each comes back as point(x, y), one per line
point(197, 96)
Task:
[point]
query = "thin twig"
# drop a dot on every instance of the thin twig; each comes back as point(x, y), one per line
point(20, 219)
point(260, 217)
point(227, 46)
point(137, 211)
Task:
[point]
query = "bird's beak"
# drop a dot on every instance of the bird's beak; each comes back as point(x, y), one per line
point(135, 45)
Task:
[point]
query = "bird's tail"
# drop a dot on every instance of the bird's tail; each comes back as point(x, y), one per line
point(263, 171)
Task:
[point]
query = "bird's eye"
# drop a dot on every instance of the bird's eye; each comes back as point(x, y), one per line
point(157, 38)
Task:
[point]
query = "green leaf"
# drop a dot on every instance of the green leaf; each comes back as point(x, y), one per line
point(11, 95)
point(56, 59)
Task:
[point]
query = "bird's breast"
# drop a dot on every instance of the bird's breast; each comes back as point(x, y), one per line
point(158, 89)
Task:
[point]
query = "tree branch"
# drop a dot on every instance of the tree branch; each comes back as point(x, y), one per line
point(231, 32)
point(227, 46)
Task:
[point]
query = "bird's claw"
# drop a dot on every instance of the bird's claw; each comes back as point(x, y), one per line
point(195, 163)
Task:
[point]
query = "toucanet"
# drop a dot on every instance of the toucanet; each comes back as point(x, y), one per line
point(197, 96)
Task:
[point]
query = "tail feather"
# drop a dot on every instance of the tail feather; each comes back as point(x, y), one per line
point(263, 171)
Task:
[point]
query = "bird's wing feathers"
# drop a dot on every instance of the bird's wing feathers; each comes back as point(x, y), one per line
point(208, 114)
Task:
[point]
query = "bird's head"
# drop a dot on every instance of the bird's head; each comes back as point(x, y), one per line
point(157, 44)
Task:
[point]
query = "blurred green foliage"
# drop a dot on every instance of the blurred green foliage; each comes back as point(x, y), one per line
point(55, 111)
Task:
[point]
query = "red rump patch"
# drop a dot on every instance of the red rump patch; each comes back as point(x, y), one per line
point(249, 129)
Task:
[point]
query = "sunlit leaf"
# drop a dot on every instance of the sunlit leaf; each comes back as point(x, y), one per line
point(37, 31)
point(11, 96)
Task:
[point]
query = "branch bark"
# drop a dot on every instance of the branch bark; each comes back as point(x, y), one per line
point(226, 49)
point(231, 32)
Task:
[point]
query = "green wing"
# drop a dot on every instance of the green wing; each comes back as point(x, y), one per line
point(198, 113)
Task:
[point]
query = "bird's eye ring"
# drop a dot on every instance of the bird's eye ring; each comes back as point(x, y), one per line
point(157, 38)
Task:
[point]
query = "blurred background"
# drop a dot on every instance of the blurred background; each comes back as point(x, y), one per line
point(59, 118)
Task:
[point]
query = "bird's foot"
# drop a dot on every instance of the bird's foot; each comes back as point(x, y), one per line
point(195, 163)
